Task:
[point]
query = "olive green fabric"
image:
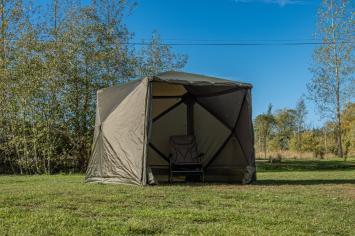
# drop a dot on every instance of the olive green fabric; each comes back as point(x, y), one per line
point(135, 121)
point(119, 148)
point(195, 79)
point(173, 123)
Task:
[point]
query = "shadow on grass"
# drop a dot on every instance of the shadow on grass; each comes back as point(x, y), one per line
point(263, 182)
point(268, 182)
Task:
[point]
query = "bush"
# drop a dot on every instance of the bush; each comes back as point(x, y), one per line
point(276, 159)
point(319, 151)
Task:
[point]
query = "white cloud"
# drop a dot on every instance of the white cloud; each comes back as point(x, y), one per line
point(278, 2)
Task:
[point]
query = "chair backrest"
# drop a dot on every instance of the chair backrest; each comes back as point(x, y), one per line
point(184, 149)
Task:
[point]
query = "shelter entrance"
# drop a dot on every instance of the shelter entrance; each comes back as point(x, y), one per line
point(212, 114)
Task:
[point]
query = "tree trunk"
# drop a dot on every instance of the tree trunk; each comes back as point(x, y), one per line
point(325, 141)
point(298, 143)
point(337, 88)
point(3, 30)
point(339, 131)
point(338, 110)
point(55, 11)
point(265, 147)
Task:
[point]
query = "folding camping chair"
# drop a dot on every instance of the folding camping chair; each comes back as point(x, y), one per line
point(184, 159)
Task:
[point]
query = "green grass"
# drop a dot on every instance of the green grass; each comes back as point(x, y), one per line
point(290, 198)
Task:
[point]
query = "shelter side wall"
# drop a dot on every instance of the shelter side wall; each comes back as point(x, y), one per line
point(118, 155)
point(228, 162)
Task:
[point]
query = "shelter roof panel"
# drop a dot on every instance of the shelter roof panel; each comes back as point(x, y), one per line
point(196, 79)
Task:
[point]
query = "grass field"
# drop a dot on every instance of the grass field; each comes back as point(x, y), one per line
point(290, 198)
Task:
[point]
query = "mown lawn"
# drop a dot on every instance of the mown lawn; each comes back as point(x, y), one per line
point(290, 198)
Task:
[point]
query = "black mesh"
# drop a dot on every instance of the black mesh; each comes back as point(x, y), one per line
point(184, 149)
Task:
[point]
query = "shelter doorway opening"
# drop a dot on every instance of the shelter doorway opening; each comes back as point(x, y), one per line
point(208, 113)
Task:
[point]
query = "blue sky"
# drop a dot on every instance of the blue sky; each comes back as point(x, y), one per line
point(279, 73)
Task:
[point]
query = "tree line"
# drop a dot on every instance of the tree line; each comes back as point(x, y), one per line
point(284, 132)
point(53, 59)
point(55, 56)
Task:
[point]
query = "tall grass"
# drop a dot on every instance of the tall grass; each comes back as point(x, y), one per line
point(286, 154)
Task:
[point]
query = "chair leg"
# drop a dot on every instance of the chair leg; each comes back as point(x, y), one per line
point(203, 177)
point(170, 177)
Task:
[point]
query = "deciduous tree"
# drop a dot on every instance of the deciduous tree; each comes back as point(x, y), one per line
point(332, 84)
point(300, 115)
point(263, 127)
